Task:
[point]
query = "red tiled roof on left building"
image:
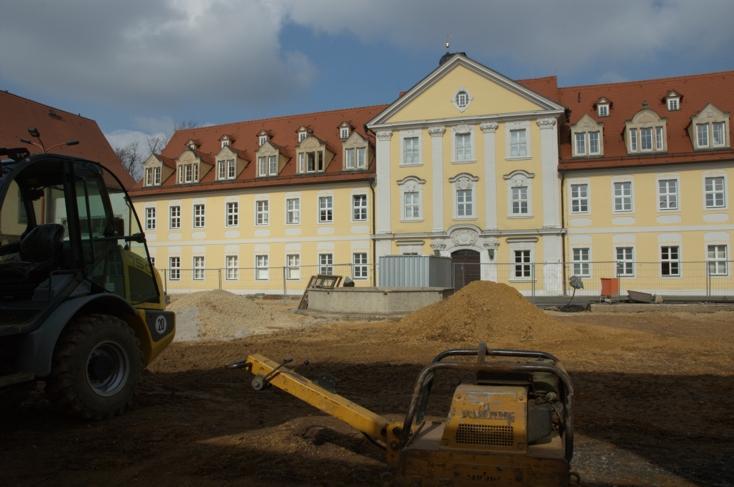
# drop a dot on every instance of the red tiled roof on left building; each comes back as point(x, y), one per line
point(56, 127)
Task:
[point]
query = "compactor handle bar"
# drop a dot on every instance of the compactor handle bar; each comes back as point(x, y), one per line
point(464, 352)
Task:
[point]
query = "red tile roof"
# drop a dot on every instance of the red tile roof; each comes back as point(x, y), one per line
point(283, 133)
point(627, 99)
point(56, 126)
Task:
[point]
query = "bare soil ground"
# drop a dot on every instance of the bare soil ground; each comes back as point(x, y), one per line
point(653, 406)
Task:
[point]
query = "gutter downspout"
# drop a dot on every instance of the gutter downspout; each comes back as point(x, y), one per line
point(374, 242)
point(563, 233)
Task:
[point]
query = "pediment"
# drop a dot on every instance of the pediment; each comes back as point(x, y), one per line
point(710, 114)
point(587, 123)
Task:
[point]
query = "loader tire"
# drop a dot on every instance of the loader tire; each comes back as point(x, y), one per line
point(96, 366)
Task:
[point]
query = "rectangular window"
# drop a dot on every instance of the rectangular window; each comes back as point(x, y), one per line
point(198, 268)
point(225, 169)
point(411, 151)
point(262, 271)
point(273, 165)
point(293, 211)
point(594, 147)
point(522, 264)
point(231, 263)
point(625, 262)
point(174, 217)
point(411, 205)
point(715, 193)
point(199, 216)
point(602, 110)
point(312, 161)
point(153, 176)
point(668, 194)
point(623, 196)
point(301, 163)
point(520, 200)
point(359, 207)
point(581, 262)
point(702, 134)
point(359, 265)
point(262, 216)
point(646, 138)
point(464, 203)
point(350, 158)
point(717, 136)
point(518, 143)
point(293, 266)
point(267, 165)
point(673, 104)
point(361, 158)
point(633, 140)
point(326, 209)
point(188, 173)
point(579, 198)
point(716, 258)
point(669, 261)
point(174, 268)
point(326, 264)
point(580, 143)
point(150, 218)
point(463, 147)
point(233, 214)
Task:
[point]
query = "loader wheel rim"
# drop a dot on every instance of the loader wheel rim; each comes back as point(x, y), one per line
point(108, 367)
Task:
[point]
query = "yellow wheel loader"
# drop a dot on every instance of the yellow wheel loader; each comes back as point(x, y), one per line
point(81, 306)
point(511, 424)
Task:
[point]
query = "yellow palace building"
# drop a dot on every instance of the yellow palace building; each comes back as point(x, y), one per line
point(521, 182)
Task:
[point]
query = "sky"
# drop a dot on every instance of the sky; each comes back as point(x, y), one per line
point(141, 67)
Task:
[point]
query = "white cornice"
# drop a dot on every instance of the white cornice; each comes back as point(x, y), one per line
point(500, 117)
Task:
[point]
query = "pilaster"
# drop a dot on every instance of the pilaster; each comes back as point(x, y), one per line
point(437, 206)
point(490, 173)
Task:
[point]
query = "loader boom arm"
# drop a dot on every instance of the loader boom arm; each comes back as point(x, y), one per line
point(356, 416)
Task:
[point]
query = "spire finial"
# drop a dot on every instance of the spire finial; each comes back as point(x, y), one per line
point(447, 44)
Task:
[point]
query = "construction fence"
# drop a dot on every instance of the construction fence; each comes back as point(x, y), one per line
point(674, 278)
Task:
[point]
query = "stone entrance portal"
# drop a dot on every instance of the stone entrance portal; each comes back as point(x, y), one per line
point(466, 267)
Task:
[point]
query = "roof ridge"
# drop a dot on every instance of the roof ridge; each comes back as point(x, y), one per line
point(8, 92)
point(281, 117)
point(650, 80)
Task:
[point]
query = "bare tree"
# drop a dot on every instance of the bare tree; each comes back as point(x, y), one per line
point(133, 156)
point(185, 124)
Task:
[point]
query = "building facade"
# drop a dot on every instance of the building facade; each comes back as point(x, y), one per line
point(522, 182)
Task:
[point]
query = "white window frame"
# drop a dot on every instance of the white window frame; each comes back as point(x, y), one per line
point(293, 267)
point(326, 208)
point(723, 125)
point(461, 206)
point(714, 192)
point(199, 216)
point(262, 139)
point(413, 134)
point(581, 260)
point(602, 109)
point(344, 133)
point(174, 268)
point(670, 261)
point(673, 103)
point(465, 156)
point(302, 134)
point(174, 220)
point(622, 197)
point(509, 129)
point(525, 266)
point(293, 215)
point(262, 267)
point(411, 184)
point(231, 214)
point(150, 218)
point(199, 268)
point(262, 212)
point(716, 261)
point(360, 212)
point(360, 266)
point(519, 194)
point(188, 173)
point(153, 176)
point(625, 264)
point(578, 199)
point(226, 169)
point(232, 267)
point(516, 180)
point(705, 133)
point(414, 204)
point(667, 194)
point(326, 264)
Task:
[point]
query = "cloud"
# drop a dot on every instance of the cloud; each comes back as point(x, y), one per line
point(558, 36)
point(150, 54)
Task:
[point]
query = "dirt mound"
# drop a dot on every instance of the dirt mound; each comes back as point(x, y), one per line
point(220, 314)
point(483, 311)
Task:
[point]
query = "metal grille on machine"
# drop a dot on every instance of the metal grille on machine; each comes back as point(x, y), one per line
point(487, 435)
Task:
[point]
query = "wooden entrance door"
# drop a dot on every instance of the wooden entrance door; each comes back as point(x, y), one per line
point(466, 267)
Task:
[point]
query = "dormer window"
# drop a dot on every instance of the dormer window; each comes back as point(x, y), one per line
point(191, 145)
point(153, 176)
point(262, 138)
point(311, 161)
point(188, 173)
point(709, 129)
point(267, 165)
point(587, 137)
point(673, 101)
point(602, 107)
point(302, 134)
point(344, 131)
point(224, 142)
point(355, 153)
point(226, 169)
point(646, 132)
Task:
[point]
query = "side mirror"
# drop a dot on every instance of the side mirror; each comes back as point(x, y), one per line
point(136, 237)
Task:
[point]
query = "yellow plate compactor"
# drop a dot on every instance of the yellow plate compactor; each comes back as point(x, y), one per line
point(510, 424)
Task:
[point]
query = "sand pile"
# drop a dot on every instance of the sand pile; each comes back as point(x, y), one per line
point(220, 314)
point(483, 311)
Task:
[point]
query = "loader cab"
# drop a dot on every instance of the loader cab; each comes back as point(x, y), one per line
point(67, 227)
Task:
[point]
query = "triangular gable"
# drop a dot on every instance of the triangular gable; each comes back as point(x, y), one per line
point(491, 94)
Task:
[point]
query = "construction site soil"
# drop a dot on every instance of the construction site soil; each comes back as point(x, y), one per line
point(653, 405)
